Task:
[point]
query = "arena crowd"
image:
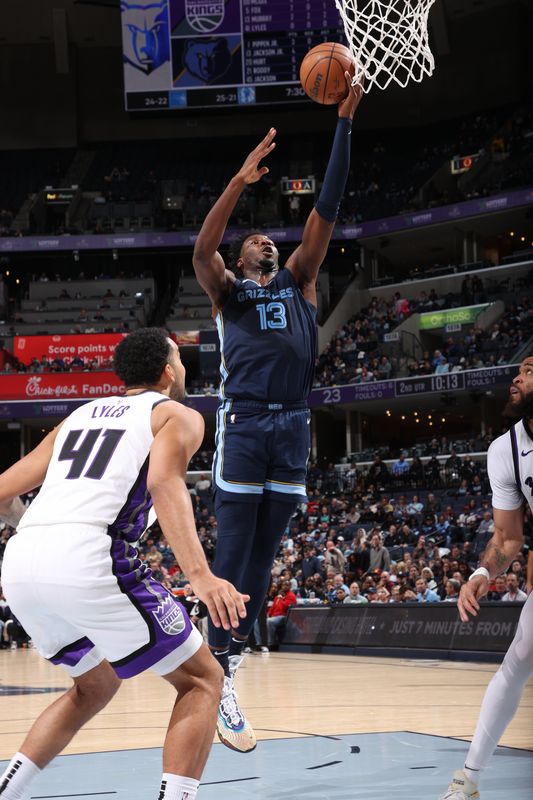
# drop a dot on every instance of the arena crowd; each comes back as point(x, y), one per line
point(366, 535)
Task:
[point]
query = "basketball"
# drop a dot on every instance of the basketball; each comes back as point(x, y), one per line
point(322, 72)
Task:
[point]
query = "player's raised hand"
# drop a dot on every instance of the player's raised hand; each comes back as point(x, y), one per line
point(471, 593)
point(224, 603)
point(251, 172)
point(348, 106)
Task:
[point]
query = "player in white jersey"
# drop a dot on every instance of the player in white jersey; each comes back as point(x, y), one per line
point(510, 467)
point(73, 577)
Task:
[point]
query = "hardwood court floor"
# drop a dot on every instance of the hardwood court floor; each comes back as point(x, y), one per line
point(285, 696)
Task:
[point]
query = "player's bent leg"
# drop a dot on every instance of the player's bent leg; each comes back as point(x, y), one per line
point(236, 535)
point(236, 522)
point(56, 726)
point(499, 706)
point(504, 692)
point(198, 682)
point(273, 517)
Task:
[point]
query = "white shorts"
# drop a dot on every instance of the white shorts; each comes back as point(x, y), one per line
point(83, 596)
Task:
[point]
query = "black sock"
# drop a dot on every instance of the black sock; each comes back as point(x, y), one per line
point(236, 646)
point(222, 656)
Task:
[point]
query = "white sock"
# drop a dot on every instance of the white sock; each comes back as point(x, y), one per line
point(176, 787)
point(472, 774)
point(19, 774)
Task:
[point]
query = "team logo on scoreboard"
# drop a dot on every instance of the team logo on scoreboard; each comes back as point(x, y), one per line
point(204, 17)
point(207, 58)
point(145, 33)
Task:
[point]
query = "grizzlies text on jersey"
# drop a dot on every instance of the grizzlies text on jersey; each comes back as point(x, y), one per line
point(268, 342)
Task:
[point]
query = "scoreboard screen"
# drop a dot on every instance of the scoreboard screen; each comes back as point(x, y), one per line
point(182, 54)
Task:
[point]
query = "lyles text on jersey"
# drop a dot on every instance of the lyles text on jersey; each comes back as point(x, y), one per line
point(108, 411)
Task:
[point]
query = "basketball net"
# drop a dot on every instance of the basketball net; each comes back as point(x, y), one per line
point(388, 39)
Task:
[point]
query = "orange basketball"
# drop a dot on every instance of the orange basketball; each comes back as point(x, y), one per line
point(322, 72)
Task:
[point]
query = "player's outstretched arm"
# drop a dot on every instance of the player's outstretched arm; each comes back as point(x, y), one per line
point(173, 446)
point(307, 259)
point(22, 477)
point(503, 547)
point(208, 263)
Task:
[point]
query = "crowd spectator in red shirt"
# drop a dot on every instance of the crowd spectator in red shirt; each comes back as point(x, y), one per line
point(277, 612)
point(5, 357)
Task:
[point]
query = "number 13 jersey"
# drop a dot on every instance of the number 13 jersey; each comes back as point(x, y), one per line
point(268, 342)
point(98, 470)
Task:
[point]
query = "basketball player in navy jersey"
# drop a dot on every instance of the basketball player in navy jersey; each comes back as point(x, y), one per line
point(266, 321)
point(510, 468)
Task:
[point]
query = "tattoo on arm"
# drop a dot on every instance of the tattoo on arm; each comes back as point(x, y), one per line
point(495, 559)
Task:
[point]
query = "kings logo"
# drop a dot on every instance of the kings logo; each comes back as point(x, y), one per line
point(170, 617)
point(204, 17)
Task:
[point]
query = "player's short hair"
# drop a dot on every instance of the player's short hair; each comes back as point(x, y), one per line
point(234, 250)
point(140, 358)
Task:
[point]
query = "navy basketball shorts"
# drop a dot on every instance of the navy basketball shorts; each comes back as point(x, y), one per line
point(261, 448)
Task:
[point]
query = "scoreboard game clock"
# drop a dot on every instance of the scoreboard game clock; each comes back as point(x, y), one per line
point(182, 54)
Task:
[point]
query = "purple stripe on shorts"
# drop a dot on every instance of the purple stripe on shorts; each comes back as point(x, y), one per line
point(72, 653)
point(167, 620)
point(131, 519)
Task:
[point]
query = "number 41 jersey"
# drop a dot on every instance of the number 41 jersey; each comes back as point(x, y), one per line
point(98, 470)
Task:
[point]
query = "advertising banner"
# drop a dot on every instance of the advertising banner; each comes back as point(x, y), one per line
point(89, 385)
point(87, 346)
point(452, 316)
point(431, 626)
point(59, 386)
point(25, 409)
point(378, 227)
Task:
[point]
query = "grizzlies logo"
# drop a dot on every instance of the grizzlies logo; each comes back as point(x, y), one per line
point(207, 59)
point(145, 34)
point(204, 17)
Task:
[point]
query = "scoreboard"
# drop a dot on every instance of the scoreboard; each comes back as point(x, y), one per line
point(181, 54)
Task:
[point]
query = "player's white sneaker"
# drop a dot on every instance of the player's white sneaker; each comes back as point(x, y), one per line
point(461, 788)
point(233, 728)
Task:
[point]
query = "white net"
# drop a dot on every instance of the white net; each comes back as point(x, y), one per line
point(388, 39)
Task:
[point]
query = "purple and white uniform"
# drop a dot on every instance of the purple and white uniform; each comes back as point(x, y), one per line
point(72, 574)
